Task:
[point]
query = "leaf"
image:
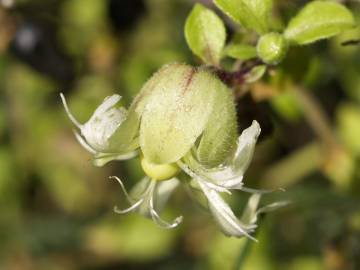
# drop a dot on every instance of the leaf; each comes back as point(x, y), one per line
point(255, 74)
point(252, 14)
point(318, 20)
point(176, 112)
point(205, 34)
point(220, 134)
point(240, 51)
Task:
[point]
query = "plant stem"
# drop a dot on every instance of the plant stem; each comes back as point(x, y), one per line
point(316, 117)
point(243, 254)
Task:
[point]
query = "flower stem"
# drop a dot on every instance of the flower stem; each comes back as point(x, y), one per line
point(316, 117)
point(245, 249)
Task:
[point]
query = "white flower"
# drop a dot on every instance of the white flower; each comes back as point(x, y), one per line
point(149, 197)
point(95, 134)
point(212, 182)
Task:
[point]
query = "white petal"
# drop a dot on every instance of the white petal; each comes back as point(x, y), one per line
point(272, 207)
point(68, 112)
point(159, 221)
point(245, 148)
point(96, 132)
point(223, 214)
point(83, 143)
point(134, 205)
point(100, 127)
point(251, 212)
point(130, 209)
point(196, 175)
point(141, 187)
point(259, 191)
point(108, 102)
point(250, 215)
point(103, 158)
point(163, 191)
point(128, 198)
point(226, 178)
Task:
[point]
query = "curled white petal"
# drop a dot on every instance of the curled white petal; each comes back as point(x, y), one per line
point(259, 191)
point(159, 221)
point(68, 112)
point(134, 205)
point(147, 189)
point(252, 212)
point(272, 207)
point(130, 209)
point(83, 143)
point(129, 199)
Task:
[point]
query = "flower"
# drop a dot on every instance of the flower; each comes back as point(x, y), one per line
point(183, 121)
point(95, 134)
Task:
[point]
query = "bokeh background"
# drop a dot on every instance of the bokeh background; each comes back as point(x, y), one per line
point(56, 208)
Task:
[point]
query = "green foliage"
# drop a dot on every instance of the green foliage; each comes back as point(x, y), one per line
point(205, 34)
point(252, 14)
point(318, 20)
point(255, 74)
point(240, 51)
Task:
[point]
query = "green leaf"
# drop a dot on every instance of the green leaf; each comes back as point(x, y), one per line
point(252, 14)
point(205, 34)
point(220, 134)
point(255, 74)
point(318, 20)
point(176, 112)
point(240, 51)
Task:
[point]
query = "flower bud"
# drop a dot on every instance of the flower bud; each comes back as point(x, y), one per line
point(272, 48)
point(175, 106)
point(178, 105)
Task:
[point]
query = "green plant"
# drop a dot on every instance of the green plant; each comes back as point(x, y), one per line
point(183, 120)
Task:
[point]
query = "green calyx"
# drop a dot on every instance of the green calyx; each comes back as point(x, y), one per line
point(159, 172)
point(180, 108)
point(272, 48)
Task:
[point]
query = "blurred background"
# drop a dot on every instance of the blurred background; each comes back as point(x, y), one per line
point(56, 208)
